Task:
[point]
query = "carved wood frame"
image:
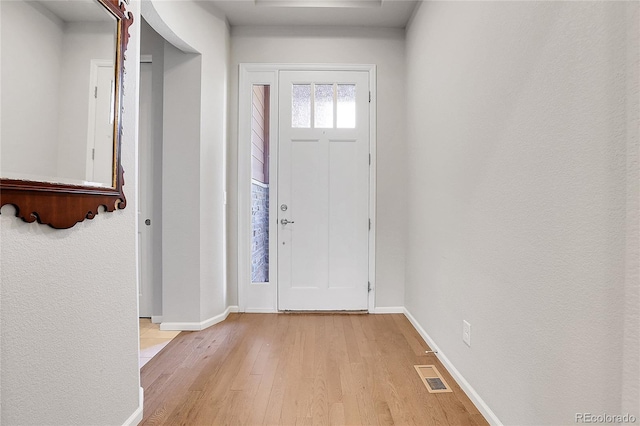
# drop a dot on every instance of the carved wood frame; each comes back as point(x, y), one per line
point(61, 206)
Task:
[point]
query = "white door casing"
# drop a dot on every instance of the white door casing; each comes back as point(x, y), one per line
point(254, 297)
point(323, 180)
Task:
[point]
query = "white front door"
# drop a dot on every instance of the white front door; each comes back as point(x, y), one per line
point(323, 190)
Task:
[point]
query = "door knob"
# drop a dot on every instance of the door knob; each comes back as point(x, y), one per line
point(285, 221)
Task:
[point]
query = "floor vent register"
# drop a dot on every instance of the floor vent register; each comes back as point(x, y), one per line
point(432, 379)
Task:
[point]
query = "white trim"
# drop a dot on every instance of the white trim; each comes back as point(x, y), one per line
point(249, 67)
point(373, 125)
point(198, 326)
point(274, 132)
point(136, 417)
point(258, 183)
point(250, 74)
point(388, 310)
point(156, 319)
point(261, 311)
point(248, 77)
point(466, 387)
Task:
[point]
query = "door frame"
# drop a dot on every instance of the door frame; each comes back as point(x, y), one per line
point(144, 234)
point(263, 297)
point(91, 126)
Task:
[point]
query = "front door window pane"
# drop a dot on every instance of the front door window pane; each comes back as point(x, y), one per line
point(346, 106)
point(301, 106)
point(323, 116)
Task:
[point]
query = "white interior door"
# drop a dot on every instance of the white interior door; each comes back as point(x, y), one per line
point(100, 161)
point(323, 190)
point(145, 193)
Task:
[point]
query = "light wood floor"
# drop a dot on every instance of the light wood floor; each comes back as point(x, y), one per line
point(291, 369)
point(152, 340)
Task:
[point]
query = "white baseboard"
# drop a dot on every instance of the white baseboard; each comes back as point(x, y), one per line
point(388, 310)
point(136, 417)
point(260, 311)
point(466, 387)
point(156, 319)
point(197, 326)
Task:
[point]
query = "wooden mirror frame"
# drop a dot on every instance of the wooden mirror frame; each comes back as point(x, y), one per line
point(61, 206)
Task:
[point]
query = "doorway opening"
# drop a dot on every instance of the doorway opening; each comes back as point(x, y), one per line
point(150, 173)
point(260, 100)
point(343, 130)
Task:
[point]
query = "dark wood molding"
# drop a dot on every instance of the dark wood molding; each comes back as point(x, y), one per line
point(61, 206)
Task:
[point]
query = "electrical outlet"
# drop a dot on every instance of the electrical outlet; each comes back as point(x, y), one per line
point(466, 332)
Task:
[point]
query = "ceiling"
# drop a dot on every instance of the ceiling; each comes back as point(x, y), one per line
point(77, 10)
point(369, 13)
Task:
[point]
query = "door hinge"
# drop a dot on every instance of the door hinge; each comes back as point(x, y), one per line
point(95, 93)
point(93, 154)
point(369, 224)
point(368, 286)
point(369, 159)
point(369, 96)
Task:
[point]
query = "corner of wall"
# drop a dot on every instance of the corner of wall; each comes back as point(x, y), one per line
point(137, 416)
point(198, 326)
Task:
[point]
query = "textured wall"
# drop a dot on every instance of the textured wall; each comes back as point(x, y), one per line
point(69, 343)
point(523, 183)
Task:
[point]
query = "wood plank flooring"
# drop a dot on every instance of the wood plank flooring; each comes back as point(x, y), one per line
point(152, 339)
point(299, 369)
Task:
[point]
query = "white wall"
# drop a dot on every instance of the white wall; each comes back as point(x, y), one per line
point(193, 194)
point(382, 47)
point(522, 201)
point(69, 343)
point(82, 42)
point(631, 348)
point(32, 47)
point(181, 181)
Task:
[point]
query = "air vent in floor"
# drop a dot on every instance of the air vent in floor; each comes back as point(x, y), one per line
point(432, 379)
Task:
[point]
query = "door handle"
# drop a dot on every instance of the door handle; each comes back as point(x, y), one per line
point(285, 221)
